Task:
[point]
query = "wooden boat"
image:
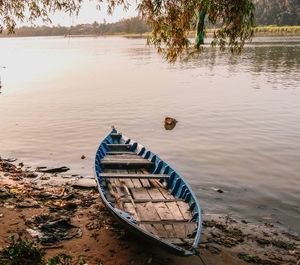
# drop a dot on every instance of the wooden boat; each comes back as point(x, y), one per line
point(147, 196)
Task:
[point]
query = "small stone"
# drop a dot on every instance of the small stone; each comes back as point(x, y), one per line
point(213, 249)
point(83, 157)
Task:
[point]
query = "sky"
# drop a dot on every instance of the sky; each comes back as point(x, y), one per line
point(89, 13)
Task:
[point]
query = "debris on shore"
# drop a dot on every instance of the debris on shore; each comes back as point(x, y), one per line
point(65, 215)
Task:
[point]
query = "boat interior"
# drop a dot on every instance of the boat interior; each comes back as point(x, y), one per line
point(157, 202)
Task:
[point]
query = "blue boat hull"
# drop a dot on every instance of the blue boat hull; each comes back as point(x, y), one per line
point(175, 184)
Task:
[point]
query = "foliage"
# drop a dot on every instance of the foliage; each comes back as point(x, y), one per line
point(61, 259)
point(270, 12)
point(171, 21)
point(26, 252)
point(31, 10)
point(21, 251)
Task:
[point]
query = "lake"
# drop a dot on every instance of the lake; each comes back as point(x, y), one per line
point(239, 116)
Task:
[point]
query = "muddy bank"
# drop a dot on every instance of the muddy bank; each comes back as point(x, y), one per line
point(65, 214)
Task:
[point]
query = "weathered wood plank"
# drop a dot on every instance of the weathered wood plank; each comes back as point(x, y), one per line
point(127, 182)
point(145, 183)
point(164, 222)
point(119, 147)
point(170, 230)
point(180, 230)
point(163, 211)
point(122, 156)
point(140, 194)
point(154, 200)
point(147, 212)
point(128, 207)
point(126, 162)
point(184, 230)
point(161, 231)
point(132, 176)
point(173, 207)
point(190, 228)
point(155, 194)
point(150, 229)
point(185, 210)
point(118, 135)
point(167, 194)
point(118, 193)
point(136, 182)
point(120, 153)
point(155, 183)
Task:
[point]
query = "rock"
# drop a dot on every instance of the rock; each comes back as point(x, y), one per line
point(30, 175)
point(218, 190)
point(28, 203)
point(83, 157)
point(170, 123)
point(84, 183)
point(263, 241)
point(9, 206)
point(4, 194)
point(213, 249)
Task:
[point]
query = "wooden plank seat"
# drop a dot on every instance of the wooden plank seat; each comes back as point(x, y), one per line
point(152, 200)
point(133, 176)
point(119, 147)
point(123, 156)
point(120, 153)
point(117, 135)
point(126, 163)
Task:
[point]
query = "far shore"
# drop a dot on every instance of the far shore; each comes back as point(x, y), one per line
point(33, 198)
point(260, 31)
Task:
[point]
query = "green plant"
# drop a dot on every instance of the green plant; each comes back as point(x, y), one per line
point(21, 251)
point(60, 259)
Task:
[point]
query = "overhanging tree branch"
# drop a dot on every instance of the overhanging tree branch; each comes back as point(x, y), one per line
point(171, 20)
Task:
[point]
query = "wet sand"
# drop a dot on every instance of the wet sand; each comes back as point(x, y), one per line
point(80, 226)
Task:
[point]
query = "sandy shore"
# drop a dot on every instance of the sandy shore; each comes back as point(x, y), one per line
point(67, 216)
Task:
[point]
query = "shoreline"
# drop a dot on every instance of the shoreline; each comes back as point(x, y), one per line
point(260, 31)
point(31, 199)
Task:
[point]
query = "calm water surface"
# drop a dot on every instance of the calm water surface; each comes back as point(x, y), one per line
point(239, 117)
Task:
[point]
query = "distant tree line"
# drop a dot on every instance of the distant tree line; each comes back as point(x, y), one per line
point(268, 12)
point(131, 25)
